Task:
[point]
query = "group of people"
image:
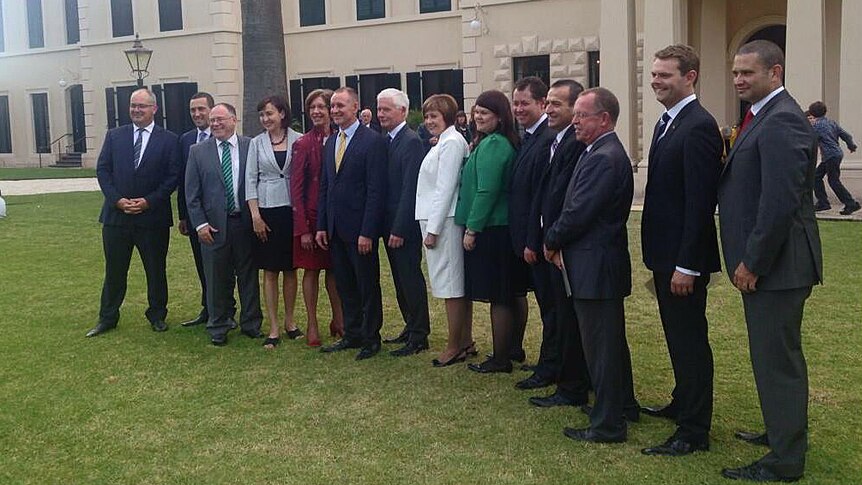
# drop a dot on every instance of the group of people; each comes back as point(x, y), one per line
point(498, 215)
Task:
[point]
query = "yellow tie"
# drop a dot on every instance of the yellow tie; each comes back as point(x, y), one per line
point(339, 153)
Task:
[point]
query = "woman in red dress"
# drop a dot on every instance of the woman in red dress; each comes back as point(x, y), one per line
point(305, 170)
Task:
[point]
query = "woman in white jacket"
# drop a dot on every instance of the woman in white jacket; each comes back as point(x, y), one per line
point(436, 197)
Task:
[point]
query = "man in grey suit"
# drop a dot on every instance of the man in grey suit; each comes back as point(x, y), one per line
point(402, 235)
point(772, 252)
point(215, 197)
point(589, 243)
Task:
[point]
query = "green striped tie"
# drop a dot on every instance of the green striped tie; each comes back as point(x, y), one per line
point(227, 176)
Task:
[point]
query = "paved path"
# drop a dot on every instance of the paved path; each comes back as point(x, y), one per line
point(51, 186)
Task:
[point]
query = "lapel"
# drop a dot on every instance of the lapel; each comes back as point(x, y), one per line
point(753, 125)
point(243, 143)
point(659, 144)
point(559, 151)
point(152, 146)
point(357, 136)
point(393, 145)
point(127, 132)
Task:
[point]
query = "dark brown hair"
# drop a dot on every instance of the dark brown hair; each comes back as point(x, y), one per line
point(280, 104)
point(817, 109)
point(685, 56)
point(768, 53)
point(538, 88)
point(497, 103)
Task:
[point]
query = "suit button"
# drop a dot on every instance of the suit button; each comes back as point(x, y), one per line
point(281, 175)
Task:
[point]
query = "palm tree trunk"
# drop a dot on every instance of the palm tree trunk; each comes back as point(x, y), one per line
point(263, 59)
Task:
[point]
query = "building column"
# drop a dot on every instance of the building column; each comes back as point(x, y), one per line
point(804, 56)
point(713, 84)
point(618, 46)
point(850, 78)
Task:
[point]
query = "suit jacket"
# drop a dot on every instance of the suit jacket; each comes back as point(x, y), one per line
point(264, 180)
point(678, 225)
point(205, 194)
point(591, 230)
point(352, 201)
point(554, 183)
point(766, 209)
point(526, 176)
point(405, 157)
point(155, 179)
point(186, 141)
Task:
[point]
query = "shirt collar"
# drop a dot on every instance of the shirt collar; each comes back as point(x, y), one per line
point(233, 140)
point(207, 131)
point(148, 128)
point(590, 146)
point(756, 107)
point(396, 130)
point(350, 130)
point(535, 126)
point(562, 133)
point(674, 111)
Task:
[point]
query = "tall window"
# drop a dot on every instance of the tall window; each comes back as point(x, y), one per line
point(428, 6)
point(2, 34)
point(5, 126)
point(73, 30)
point(312, 12)
point(370, 9)
point(122, 21)
point(35, 29)
point(41, 127)
point(539, 66)
point(170, 15)
point(593, 68)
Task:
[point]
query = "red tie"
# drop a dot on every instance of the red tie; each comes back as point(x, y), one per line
point(748, 116)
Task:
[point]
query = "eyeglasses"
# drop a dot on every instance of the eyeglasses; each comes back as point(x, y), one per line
point(140, 106)
point(218, 121)
point(577, 115)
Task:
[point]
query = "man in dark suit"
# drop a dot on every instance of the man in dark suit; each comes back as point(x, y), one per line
point(137, 172)
point(679, 242)
point(589, 243)
point(573, 380)
point(199, 109)
point(215, 197)
point(771, 248)
point(350, 221)
point(402, 234)
point(528, 107)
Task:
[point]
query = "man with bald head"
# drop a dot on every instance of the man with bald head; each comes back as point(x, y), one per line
point(137, 172)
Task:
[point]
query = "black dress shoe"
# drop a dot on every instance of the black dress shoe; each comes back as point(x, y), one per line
point(555, 399)
point(198, 320)
point(631, 415)
point(586, 434)
point(491, 366)
point(821, 207)
point(100, 329)
point(159, 326)
point(460, 357)
point(402, 338)
point(368, 351)
point(756, 473)
point(849, 209)
point(411, 348)
point(677, 447)
point(255, 333)
point(340, 345)
point(219, 341)
point(666, 412)
point(535, 381)
point(760, 439)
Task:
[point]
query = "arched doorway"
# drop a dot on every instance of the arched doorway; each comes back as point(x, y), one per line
point(776, 34)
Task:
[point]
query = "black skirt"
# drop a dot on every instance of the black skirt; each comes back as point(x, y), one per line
point(492, 272)
point(276, 254)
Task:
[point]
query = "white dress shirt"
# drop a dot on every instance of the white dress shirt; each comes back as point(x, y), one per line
point(145, 136)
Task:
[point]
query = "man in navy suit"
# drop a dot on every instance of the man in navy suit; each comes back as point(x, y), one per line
point(401, 229)
point(679, 242)
point(350, 221)
point(200, 105)
point(589, 243)
point(137, 172)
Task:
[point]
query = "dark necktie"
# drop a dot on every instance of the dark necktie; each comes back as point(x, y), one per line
point(554, 149)
point(745, 121)
point(227, 176)
point(662, 124)
point(202, 135)
point(138, 143)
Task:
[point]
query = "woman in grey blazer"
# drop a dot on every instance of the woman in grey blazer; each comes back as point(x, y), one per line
point(268, 196)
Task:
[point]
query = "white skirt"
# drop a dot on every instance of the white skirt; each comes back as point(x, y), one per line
point(446, 260)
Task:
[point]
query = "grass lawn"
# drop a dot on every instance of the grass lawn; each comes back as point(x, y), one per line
point(135, 407)
point(32, 173)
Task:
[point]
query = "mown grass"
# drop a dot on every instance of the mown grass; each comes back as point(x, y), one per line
point(134, 406)
point(34, 173)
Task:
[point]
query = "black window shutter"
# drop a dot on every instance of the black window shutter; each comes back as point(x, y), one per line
point(352, 82)
point(458, 87)
point(160, 101)
point(414, 89)
point(111, 104)
point(332, 83)
point(297, 103)
point(393, 80)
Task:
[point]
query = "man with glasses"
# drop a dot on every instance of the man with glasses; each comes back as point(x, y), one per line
point(137, 172)
point(215, 197)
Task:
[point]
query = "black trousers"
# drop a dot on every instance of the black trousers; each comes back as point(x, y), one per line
point(831, 169)
point(410, 290)
point(774, 321)
point(357, 278)
point(685, 329)
point(118, 243)
point(199, 266)
point(603, 331)
point(573, 379)
point(233, 259)
point(550, 358)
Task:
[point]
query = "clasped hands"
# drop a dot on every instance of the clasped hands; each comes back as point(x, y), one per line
point(133, 206)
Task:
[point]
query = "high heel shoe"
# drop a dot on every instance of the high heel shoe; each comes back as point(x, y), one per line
point(336, 330)
point(459, 357)
point(470, 350)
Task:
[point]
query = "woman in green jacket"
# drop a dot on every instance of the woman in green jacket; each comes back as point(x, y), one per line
point(492, 273)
